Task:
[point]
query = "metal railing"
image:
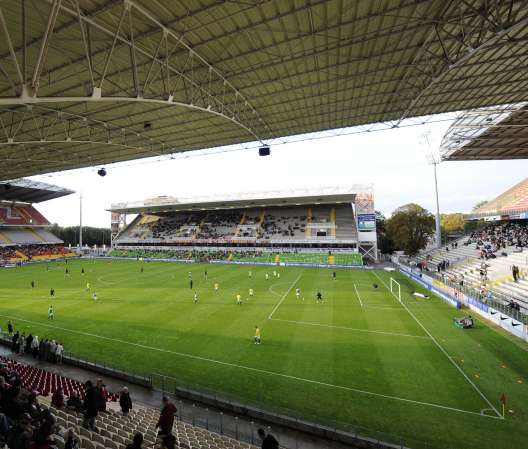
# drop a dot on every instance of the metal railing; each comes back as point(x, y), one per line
point(235, 417)
point(493, 299)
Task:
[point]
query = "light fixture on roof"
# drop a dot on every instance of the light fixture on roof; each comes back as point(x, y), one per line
point(264, 150)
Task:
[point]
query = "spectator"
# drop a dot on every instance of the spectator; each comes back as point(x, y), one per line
point(268, 440)
point(21, 434)
point(22, 343)
point(124, 401)
point(59, 350)
point(52, 348)
point(46, 428)
point(14, 341)
point(74, 402)
point(90, 405)
point(137, 442)
point(57, 399)
point(166, 419)
point(168, 441)
point(35, 344)
point(101, 396)
point(29, 341)
point(72, 441)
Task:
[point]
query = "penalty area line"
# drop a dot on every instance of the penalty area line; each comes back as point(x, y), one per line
point(354, 329)
point(477, 389)
point(359, 297)
point(257, 370)
point(284, 296)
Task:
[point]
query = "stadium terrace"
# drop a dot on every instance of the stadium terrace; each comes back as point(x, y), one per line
point(333, 218)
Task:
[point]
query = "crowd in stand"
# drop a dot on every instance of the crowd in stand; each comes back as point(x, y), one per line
point(44, 250)
point(7, 253)
point(495, 237)
point(283, 226)
point(45, 350)
point(219, 225)
point(30, 251)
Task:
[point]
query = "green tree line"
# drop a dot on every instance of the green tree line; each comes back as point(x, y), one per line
point(411, 226)
point(91, 236)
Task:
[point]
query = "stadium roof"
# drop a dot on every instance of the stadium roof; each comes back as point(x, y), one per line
point(89, 82)
point(488, 133)
point(28, 191)
point(321, 195)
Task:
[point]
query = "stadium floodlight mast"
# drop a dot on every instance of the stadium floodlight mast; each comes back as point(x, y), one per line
point(80, 222)
point(434, 159)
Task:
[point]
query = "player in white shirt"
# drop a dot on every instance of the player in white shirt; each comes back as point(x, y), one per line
point(195, 297)
point(250, 274)
point(94, 296)
point(298, 293)
point(267, 276)
point(274, 273)
point(51, 312)
point(251, 292)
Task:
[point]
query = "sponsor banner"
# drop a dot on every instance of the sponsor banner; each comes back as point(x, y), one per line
point(287, 264)
point(509, 324)
point(492, 218)
point(366, 222)
point(451, 291)
point(147, 259)
point(417, 277)
point(457, 298)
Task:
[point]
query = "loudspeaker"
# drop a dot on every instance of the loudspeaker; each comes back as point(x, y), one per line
point(264, 151)
point(101, 172)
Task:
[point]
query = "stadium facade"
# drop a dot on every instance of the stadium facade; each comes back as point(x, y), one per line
point(320, 219)
point(509, 205)
point(24, 232)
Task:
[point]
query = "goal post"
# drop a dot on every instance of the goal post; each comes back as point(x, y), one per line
point(395, 288)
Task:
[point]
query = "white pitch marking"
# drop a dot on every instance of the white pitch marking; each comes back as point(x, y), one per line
point(351, 328)
point(284, 296)
point(359, 297)
point(270, 289)
point(257, 370)
point(444, 352)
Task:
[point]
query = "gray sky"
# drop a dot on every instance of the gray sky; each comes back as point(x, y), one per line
point(393, 161)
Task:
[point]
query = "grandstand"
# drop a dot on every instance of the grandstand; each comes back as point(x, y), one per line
point(314, 226)
point(24, 231)
point(483, 260)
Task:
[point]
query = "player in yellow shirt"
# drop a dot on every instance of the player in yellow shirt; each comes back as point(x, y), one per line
point(239, 299)
point(251, 292)
point(257, 335)
point(87, 286)
point(216, 286)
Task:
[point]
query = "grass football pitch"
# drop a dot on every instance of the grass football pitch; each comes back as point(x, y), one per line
point(361, 359)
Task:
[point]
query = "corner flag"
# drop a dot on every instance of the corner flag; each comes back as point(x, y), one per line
point(503, 400)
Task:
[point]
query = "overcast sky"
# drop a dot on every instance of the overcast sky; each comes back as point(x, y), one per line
point(394, 161)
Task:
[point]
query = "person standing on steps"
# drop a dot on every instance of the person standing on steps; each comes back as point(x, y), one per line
point(268, 440)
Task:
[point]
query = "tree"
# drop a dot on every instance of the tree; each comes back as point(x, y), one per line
point(385, 243)
point(91, 236)
point(479, 205)
point(409, 227)
point(452, 222)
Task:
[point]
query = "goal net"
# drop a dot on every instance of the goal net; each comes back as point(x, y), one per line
point(395, 288)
